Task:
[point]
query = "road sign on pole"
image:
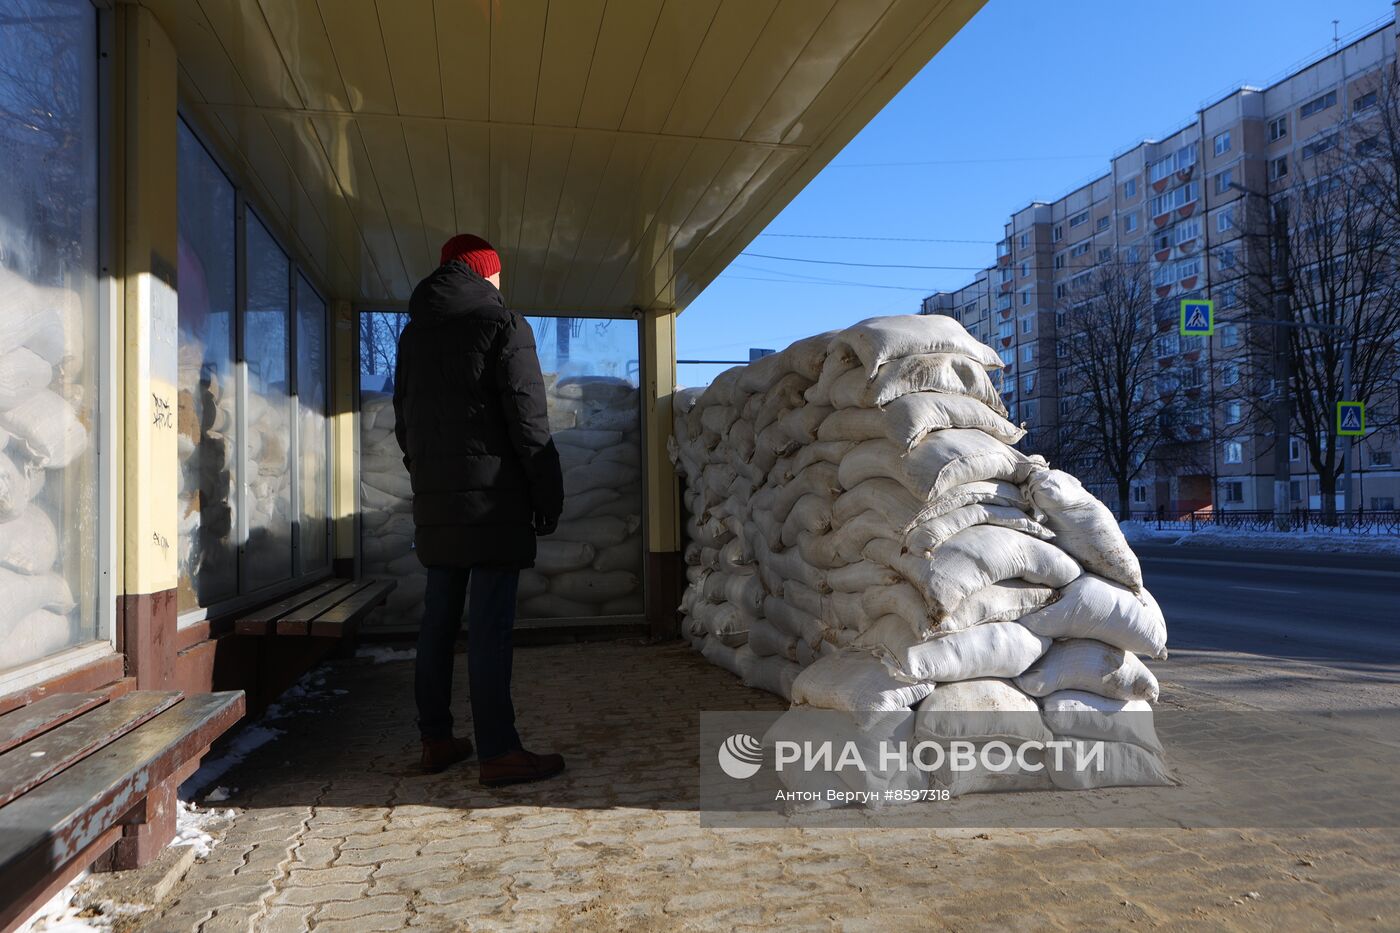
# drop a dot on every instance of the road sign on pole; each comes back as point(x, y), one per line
point(1351, 419)
point(1197, 317)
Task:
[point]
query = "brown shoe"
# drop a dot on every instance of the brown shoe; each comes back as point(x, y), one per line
point(441, 754)
point(519, 767)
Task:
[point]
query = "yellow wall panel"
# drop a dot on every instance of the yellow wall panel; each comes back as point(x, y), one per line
point(203, 60)
point(550, 155)
point(510, 165)
point(301, 37)
point(398, 189)
point(432, 177)
point(464, 57)
point(469, 148)
point(517, 39)
point(732, 35)
point(245, 34)
point(580, 197)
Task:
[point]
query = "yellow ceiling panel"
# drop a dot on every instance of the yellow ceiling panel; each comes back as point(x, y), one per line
point(675, 41)
point(300, 35)
point(779, 44)
point(617, 57)
point(517, 40)
point(566, 60)
point(619, 152)
point(462, 43)
point(732, 35)
point(413, 63)
point(848, 23)
point(358, 44)
point(245, 35)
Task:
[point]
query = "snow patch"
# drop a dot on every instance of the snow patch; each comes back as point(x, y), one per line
point(381, 653)
point(60, 915)
point(1338, 541)
point(192, 826)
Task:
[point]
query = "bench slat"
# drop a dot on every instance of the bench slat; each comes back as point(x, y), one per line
point(42, 715)
point(39, 759)
point(47, 827)
point(298, 622)
point(264, 620)
point(346, 616)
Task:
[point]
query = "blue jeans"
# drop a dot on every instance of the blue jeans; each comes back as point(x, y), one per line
point(490, 620)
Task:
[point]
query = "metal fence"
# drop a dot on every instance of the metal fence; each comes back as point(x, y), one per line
point(1358, 521)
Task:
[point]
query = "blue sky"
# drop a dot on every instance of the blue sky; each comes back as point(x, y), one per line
point(1027, 102)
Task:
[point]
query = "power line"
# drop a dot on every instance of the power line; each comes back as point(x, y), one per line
point(882, 239)
point(989, 161)
point(903, 288)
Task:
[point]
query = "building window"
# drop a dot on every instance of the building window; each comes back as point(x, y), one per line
point(1061, 290)
point(1178, 197)
point(1003, 248)
point(1234, 489)
point(1025, 268)
point(1026, 324)
point(1027, 353)
point(1077, 219)
point(1364, 102)
point(1295, 450)
point(1368, 146)
point(1105, 253)
point(1318, 146)
point(1222, 181)
point(1139, 494)
point(1007, 357)
point(1225, 220)
point(1130, 188)
point(1130, 223)
point(1180, 160)
point(1004, 303)
point(1132, 255)
point(1382, 503)
point(1278, 128)
point(1186, 231)
point(1103, 223)
point(1006, 329)
point(1380, 458)
point(1079, 249)
point(1059, 260)
point(1186, 268)
point(1278, 168)
point(1228, 296)
point(1234, 412)
point(246, 531)
point(1025, 297)
point(1222, 143)
point(1057, 233)
point(50, 491)
point(1230, 374)
point(1295, 490)
point(1317, 105)
point(1061, 349)
point(1227, 257)
point(1028, 380)
point(1025, 240)
point(1229, 335)
point(1234, 452)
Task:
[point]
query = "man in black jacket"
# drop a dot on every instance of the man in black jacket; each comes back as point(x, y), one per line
point(470, 417)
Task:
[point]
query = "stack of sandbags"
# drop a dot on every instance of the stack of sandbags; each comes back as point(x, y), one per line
point(43, 430)
point(205, 421)
point(591, 565)
point(862, 536)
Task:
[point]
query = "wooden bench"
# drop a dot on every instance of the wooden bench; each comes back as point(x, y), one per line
point(88, 777)
point(333, 609)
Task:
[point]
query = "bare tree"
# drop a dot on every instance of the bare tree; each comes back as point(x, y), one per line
point(379, 341)
point(1118, 407)
point(1330, 248)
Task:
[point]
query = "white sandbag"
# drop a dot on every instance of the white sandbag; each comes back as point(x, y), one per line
point(724, 622)
point(599, 475)
point(801, 425)
point(45, 427)
point(943, 461)
point(532, 583)
point(552, 606)
point(599, 530)
point(385, 547)
point(22, 593)
point(29, 542)
point(1092, 666)
point(844, 610)
point(405, 565)
point(878, 339)
point(1007, 773)
point(718, 418)
point(586, 503)
point(603, 390)
point(981, 492)
point(722, 655)
point(806, 356)
point(772, 674)
point(996, 649)
point(1122, 765)
point(1084, 527)
point(626, 452)
point(395, 483)
point(846, 543)
point(901, 603)
point(775, 568)
point(377, 500)
point(744, 591)
point(791, 621)
point(855, 681)
point(833, 368)
point(22, 373)
point(556, 556)
point(938, 372)
point(906, 420)
point(974, 559)
point(33, 635)
point(18, 486)
point(572, 456)
point(1000, 602)
point(629, 605)
point(877, 739)
point(627, 506)
point(811, 514)
point(981, 709)
point(929, 533)
point(624, 556)
point(1006, 601)
point(593, 586)
point(821, 479)
point(1092, 607)
point(783, 396)
point(583, 437)
point(767, 640)
point(860, 576)
point(1079, 714)
point(880, 495)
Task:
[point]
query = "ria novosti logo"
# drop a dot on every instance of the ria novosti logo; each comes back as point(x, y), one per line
point(740, 756)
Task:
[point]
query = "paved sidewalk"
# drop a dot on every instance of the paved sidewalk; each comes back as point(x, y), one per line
point(336, 831)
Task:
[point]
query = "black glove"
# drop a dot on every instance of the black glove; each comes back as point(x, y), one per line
point(545, 524)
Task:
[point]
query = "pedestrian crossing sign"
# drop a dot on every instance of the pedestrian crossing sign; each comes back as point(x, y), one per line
point(1197, 317)
point(1351, 419)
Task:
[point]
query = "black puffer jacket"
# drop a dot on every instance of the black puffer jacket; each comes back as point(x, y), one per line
point(470, 418)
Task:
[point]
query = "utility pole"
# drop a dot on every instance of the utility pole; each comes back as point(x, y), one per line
point(1347, 496)
point(1283, 397)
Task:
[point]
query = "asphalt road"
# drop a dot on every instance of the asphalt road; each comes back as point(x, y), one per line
point(1279, 629)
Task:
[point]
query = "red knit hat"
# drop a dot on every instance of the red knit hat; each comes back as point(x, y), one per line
point(479, 255)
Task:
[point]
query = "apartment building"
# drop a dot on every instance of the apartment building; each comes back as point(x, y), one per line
point(1175, 205)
